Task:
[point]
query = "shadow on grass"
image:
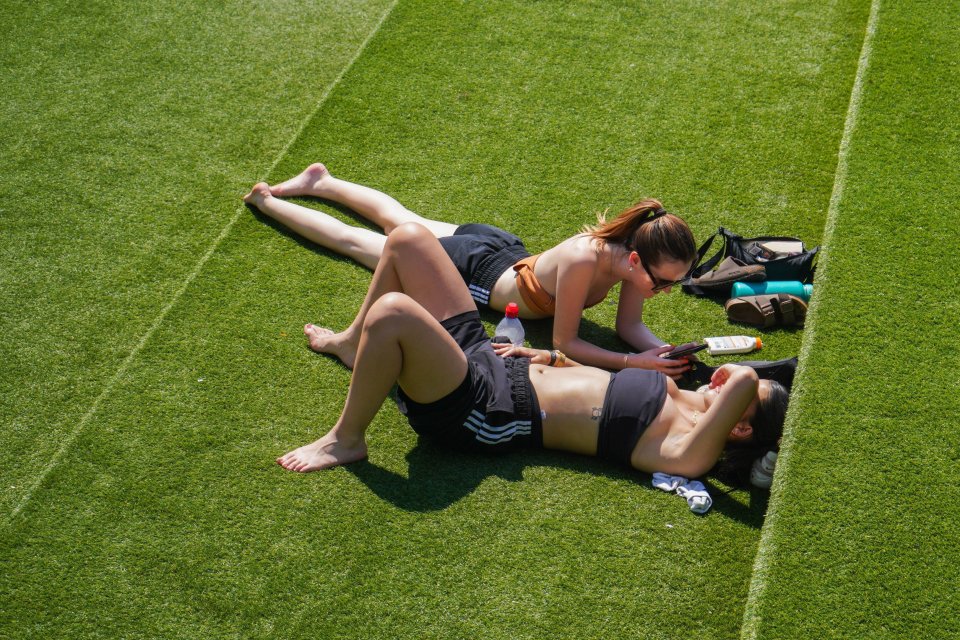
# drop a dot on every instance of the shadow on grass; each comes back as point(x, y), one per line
point(438, 478)
point(309, 244)
point(539, 333)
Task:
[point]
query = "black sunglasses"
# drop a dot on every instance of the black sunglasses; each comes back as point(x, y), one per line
point(658, 284)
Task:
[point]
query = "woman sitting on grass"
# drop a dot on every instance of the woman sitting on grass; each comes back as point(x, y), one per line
point(645, 248)
point(419, 328)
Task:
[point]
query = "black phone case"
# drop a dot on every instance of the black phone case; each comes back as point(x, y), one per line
point(680, 353)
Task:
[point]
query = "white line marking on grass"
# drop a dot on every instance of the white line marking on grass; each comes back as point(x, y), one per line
point(766, 549)
point(112, 383)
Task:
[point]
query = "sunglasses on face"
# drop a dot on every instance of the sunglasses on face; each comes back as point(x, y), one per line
point(658, 283)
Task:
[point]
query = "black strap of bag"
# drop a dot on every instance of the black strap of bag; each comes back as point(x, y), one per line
point(700, 267)
point(795, 267)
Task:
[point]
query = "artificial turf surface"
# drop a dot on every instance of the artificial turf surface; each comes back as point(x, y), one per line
point(149, 382)
point(862, 537)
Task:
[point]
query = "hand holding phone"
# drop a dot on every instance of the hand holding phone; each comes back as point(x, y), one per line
point(684, 350)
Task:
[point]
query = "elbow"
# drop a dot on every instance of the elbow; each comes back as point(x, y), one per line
point(746, 376)
point(565, 340)
point(750, 373)
point(636, 335)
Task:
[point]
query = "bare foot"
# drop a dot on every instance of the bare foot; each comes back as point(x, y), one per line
point(341, 344)
point(309, 183)
point(326, 452)
point(258, 195)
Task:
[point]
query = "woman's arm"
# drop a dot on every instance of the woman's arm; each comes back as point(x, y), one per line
point(632, 330)
point(702, 446)
point(630, 325)
point(537, 356)
point(574, 276)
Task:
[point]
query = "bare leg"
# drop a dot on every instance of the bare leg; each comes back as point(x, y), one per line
point(360, 244)
point(414, 263)
point(376, 206)
point(323, 340)
point(400, 342)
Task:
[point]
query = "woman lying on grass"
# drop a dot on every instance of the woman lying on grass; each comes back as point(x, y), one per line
point(645, 248)
point(419, 327)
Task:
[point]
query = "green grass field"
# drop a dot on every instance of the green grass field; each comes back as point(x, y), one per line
point(153, 364)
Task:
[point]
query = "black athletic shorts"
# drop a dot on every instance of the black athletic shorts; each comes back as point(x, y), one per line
point(494, 409)
point(482, 253)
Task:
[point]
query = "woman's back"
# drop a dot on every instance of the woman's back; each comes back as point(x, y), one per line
point(576, 261)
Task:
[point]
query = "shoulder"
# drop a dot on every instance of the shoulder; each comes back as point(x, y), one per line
point(579, 249)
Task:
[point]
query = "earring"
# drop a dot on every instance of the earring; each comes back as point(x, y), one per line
point(631, 268)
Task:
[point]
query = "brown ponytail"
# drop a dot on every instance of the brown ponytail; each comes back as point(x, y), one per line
point(650, 230)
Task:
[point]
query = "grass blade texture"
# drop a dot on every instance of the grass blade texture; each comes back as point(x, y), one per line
point(130, 128)
point(167, 516)
point(862, 539)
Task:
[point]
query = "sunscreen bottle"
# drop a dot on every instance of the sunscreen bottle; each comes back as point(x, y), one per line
point(725, 345)
point(791, 287)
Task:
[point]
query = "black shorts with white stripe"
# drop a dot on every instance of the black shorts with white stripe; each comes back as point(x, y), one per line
point(482, 253)
point(494, 409)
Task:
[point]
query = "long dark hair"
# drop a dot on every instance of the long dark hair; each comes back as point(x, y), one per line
point(650, 230)
point(735, 463)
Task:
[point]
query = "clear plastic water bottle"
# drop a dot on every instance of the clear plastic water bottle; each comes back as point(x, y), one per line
point(510, 326)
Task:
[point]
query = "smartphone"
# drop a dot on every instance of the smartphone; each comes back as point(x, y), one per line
point(685, 350)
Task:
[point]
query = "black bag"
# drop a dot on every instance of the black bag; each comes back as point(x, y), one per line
point(780, 370)
point(750, 251)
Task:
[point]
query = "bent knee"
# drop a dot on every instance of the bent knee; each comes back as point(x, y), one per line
point(389, 308)
point(409, 233)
